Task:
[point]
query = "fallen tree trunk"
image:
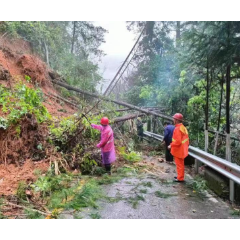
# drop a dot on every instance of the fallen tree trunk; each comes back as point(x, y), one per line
point(126, 109)
point(62, 99)
point(117, 110)
point(26, 208)
point(127, 117)
point(113, 101)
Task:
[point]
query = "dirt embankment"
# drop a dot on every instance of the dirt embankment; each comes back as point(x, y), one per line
point(16, 62)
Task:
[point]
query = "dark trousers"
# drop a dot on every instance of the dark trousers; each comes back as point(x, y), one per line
point(168, 155)
point(108, 167)
point(140, 133)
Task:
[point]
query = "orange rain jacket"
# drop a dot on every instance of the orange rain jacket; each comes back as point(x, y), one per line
point(180, 141)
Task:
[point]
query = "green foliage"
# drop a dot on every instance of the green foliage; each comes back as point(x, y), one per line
point(27, 78)
point(21, 101)
point(135, 200)
point(130, 157)
point(37, 172)
point(77, 216)
point(33, 214)
point(87, 196)
point(87, 164)
point(106, 179)
point(48, 184)
point(164, 195)
point(21, 191)
point(126, 171)
point(198, 184)
point(95, 215)
point(99, 171)
point(146, 92)
point(57, 131)
point(147, 184)
point(1, 204)
point(3, 123)
point(153, 153)
point(68, 47)
point(143, 191)
point(235, 212)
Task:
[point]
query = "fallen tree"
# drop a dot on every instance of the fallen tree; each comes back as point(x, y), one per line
point(68, 87)
point(127, 117)
point(62, 99)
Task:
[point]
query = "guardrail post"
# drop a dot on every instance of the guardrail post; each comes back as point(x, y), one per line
point(228, 158)
point(196, 165)
point(206, 140)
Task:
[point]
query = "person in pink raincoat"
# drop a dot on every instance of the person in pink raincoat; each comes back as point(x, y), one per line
point(106, 144)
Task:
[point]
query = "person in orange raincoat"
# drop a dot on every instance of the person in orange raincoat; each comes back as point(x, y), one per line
point(179, 146)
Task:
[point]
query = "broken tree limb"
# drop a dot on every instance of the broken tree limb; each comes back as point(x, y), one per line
point(26, 208)
point(62, 99)
point(117, 110)
point(128, 109)
point(127, 117)
point(113, 101)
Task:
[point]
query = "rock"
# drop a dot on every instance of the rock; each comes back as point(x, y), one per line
point(160, 160)
point(167, 170)
point(28, 192)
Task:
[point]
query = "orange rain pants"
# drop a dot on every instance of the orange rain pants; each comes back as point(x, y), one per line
point(180, 168)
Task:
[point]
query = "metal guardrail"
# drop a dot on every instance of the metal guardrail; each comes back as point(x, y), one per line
point(228, 169)
point(153, 135)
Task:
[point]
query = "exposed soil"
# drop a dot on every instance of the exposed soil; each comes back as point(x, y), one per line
point(11, 175)
point(18, 154)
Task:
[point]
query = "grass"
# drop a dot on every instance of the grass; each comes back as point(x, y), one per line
point(164, 195)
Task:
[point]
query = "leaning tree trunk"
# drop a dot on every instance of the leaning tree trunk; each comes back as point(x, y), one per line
point(73, 36)
point(46, 52)
point(207, 110)
point(219, 116)
point(178, 33)
point(228, 139)
point(228, 149)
